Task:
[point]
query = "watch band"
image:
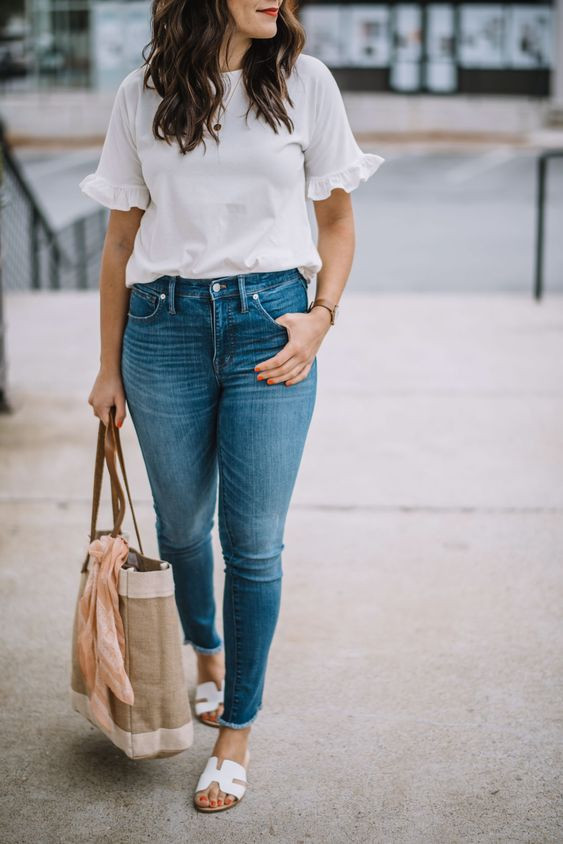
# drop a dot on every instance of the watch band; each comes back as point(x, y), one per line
point(325, 303)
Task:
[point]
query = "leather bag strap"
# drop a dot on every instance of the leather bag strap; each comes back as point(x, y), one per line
point(124, 473)
point(98, 480)
point(108, 445)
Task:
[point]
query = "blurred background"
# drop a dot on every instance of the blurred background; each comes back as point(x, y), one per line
point(416, 679)
point(459, 97)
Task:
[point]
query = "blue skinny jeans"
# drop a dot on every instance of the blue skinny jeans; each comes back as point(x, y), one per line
point(205, 423)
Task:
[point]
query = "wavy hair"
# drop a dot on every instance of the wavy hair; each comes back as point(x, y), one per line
point(183, 64)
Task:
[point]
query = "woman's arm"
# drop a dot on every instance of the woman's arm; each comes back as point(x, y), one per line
point(114, 303)
point(336, 245)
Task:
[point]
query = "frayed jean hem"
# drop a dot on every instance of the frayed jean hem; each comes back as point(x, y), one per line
point(199, 650)
point(224, 723)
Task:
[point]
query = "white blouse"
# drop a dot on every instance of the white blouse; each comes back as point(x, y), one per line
point(240, 206)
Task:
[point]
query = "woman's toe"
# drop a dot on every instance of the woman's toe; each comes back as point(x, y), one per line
point(213, 792)
point(229, 799)
point(210, 716)
point(221, 798)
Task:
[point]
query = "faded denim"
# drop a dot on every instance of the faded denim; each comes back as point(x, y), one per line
point(205, 424)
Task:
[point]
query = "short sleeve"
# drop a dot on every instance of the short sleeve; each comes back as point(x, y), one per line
point(118, 180)
point(333, 158)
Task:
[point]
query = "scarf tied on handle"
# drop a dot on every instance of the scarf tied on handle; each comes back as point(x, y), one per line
point(100, 637)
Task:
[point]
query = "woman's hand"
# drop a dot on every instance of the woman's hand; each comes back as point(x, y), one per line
point(106, 392)
point(292, 363)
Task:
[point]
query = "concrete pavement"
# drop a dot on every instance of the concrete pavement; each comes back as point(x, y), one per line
point(415, 682)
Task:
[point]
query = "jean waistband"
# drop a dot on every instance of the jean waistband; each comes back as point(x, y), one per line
point(222, 286)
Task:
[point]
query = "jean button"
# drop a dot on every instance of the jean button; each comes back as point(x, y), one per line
point(216, 286)
point(255, 295)
point(163, 295)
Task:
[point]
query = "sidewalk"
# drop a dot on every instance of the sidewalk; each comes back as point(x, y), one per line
point(414, 685)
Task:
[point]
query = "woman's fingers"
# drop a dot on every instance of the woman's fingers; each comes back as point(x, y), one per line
point(106, 393)
point(120, 412)
point(291, 367)
point(290, 373)
point(301, 376)
point(300, 358)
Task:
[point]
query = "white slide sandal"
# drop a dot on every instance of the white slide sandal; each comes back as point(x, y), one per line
point(207, 699)
point(230, 777)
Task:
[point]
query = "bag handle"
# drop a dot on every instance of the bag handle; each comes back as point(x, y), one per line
point(108, 445)
point(117, 440)
point(98, 476)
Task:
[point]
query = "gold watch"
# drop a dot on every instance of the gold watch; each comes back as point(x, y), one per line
point(325, 304)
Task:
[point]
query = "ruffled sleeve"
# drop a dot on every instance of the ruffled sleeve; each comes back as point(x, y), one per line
point(333, 158)
point(118, 180)
point(320, 187)
point(120, 197)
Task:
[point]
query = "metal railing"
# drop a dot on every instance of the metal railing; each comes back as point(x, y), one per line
point(35, 255)
point(540, 218)
point(5, 406)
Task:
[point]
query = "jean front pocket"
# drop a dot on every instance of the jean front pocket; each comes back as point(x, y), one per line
point(272, 302)
point(144, 304)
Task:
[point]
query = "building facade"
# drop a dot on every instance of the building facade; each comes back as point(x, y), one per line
point(405, 48)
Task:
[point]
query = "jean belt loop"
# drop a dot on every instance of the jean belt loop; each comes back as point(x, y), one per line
point(171, 294)
point(242, 292)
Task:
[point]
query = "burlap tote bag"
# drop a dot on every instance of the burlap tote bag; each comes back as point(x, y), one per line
point(127, 674)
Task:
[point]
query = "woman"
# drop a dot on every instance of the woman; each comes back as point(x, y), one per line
point(212, 149)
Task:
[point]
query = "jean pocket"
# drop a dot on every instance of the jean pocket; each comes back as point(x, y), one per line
point(273, 302)
point(143, 304)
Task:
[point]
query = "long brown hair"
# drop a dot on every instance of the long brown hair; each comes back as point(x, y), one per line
point(183, 59)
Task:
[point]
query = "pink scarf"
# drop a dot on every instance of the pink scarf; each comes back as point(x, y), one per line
point(100, 637)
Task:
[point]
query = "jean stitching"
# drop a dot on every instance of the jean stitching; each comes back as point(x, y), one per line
point(261, 309)
point(151, 315)
point(213, 316)
point(276, 286)
point(150, 295)
point(228, 561)
point(230, 344)
point(236, 616)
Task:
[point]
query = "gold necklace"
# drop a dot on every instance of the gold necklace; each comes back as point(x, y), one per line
point(217, 126)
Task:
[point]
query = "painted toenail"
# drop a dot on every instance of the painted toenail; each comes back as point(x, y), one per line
point(219, 802)
point(213, 802)
point(203, 797)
